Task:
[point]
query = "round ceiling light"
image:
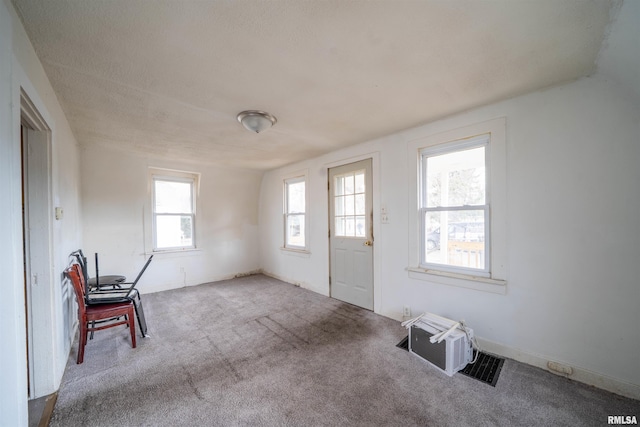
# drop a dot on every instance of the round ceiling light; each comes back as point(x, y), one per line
point(256, 120)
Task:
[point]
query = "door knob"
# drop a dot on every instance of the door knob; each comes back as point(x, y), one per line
point(368, 243)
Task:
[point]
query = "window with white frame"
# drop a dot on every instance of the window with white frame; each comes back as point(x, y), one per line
point(455, 207)
point(174, 210)
point(295, 213)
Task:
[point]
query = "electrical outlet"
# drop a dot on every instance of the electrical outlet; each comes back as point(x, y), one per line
point(406, 311)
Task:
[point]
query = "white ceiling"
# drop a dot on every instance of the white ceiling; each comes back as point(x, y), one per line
point(167, 78)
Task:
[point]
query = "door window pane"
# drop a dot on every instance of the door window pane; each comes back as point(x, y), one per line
point(349, 207)
point(360, 226)
point(340, 226)
point(359, 204)
point(350, 204)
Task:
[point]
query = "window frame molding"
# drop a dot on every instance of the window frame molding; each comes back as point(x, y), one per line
point(293, 178)
point(496, 279)
point(176, 176)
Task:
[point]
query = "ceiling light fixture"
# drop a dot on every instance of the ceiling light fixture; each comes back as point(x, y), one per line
point(256, 120)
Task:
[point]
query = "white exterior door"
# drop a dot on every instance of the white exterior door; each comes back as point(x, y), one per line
point(351, 233)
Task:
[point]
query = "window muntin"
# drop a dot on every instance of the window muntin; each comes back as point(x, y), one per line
point(349, 202)
point(173, 212)
point(295, 212)
point(455, 198)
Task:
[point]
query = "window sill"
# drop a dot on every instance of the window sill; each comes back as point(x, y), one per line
point(296, 252)
point(477, 283)
point(172, 251)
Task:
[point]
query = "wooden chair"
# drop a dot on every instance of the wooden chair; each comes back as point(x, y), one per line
point(107, 314)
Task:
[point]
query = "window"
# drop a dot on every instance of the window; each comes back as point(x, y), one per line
point(174, 210)
point(458, 225)
point(349, 204)
point(454, 208)
point(295, 213)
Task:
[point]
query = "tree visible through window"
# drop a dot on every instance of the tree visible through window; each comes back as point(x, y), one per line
point(455, 206)
point(173, 212)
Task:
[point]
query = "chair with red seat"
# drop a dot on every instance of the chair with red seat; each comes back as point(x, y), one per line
point(108, 315)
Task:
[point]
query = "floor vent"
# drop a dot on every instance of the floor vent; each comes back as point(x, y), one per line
point(486, 368)
point(404, 344)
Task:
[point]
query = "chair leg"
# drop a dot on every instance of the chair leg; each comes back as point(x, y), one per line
point(142, 323)
point(132, 328)
point(82, 341)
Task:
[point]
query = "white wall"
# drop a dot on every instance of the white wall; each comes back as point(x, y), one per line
point(572, 232)
point(21, 69)
point(116, 211)
point(13, 382)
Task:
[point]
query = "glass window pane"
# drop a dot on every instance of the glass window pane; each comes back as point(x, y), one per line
point(456, 179)
point(300, 241)
point(174, 231)
point(360, 226)
point(348, 184)
point(350, 226)
point(173, 197)
point(339, 206)
point(296, 197)
point(359, 208)
point(349, 205)
point(359, 182)
point(463, 243)
point(295, 230)
point(340, 226)
point(338, 188)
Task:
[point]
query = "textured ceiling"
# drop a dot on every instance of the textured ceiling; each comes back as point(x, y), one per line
point(167, 78)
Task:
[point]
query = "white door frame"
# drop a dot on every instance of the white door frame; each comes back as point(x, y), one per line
point(40, 295)
point(375, 166)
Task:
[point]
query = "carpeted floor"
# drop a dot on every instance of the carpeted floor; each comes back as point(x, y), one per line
point(260, 352)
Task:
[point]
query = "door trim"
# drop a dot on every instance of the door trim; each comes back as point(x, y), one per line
point(39, 274)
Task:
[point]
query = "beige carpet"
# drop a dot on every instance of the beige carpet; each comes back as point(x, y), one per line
point(255, 351)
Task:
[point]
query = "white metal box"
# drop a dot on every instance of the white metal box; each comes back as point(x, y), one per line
point(450, 355)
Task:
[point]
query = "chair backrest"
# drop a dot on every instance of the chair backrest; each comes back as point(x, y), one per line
point(146, 264)
point(77, 279)
point(82, 260)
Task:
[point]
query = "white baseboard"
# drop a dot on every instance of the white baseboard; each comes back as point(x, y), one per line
point(303, 285)
point(578, 374)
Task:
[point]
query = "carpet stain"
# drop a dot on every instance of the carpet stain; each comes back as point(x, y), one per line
point(196, 392)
